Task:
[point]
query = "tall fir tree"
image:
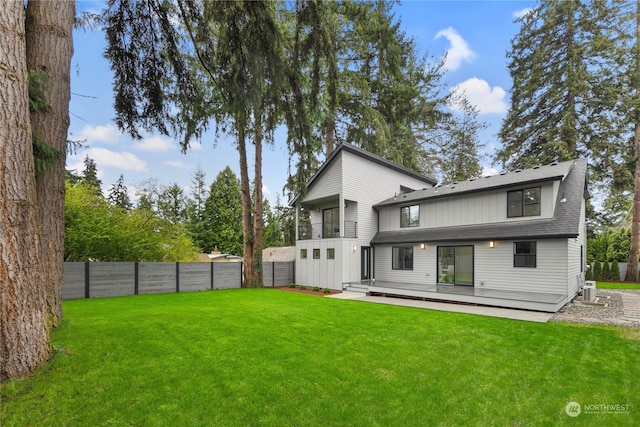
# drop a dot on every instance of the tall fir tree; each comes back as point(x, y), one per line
point(223, 214)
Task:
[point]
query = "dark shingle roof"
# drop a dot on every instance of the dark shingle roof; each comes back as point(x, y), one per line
point(565, 222)
point(552, 172)
point(366, 155)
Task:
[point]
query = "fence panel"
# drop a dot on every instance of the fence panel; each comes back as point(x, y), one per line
point(227, 275)
point(111, 279)
point(74, 280)
point(108, 279)
point(156, 277)
point(284, 272)
point(195, 276)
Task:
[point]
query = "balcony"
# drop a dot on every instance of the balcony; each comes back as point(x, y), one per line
point(324, 230)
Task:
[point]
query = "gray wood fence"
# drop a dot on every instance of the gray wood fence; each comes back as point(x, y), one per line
point(109, 279)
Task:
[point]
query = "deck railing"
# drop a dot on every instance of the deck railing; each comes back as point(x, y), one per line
point(325, 230)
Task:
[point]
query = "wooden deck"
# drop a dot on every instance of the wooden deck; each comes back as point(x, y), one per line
point(537, 301)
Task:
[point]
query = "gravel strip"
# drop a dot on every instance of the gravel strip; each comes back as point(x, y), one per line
point(611, 313)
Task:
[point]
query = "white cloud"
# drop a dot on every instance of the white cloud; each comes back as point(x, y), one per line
point(485, 98)
point(177, 164)
point(153, 143)
point(490, 171)
point(459, 50)
point(119, 160)
point(108, 133)
point(265, 190)
point(522, 12)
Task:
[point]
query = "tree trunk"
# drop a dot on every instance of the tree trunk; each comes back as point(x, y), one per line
point(24, 334)
point(257, 279)
point(247, 222)
point(632, 265)
point(49, 26)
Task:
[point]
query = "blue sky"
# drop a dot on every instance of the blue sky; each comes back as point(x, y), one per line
point(475, 35)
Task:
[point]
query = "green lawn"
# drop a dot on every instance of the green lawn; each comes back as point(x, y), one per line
point(264, 357)
point(617, 285)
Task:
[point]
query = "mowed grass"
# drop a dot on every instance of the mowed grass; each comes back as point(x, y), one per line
point(264, 357)
point(618, 285)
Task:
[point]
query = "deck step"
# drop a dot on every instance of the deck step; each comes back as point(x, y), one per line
point(363, 289)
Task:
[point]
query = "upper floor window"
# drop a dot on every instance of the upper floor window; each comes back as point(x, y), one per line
point(410, 216)
point(525, 202)
point(330, 223)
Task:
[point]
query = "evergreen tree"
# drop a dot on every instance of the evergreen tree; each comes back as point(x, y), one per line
point(567, 99)
point(119, 195)
point(90, 176)
point(459, 157)
point(615, 270)
point(196, 208)
point(597, 270)
point(171, 204)
point(606, 270)
point(223, 214)
point(273, 235)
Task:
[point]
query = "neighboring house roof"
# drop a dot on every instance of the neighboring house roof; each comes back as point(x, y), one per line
point(366, 155)
point(279, 254)
point(565, 223)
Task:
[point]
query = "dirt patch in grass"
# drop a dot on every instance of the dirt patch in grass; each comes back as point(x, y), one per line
point(309, 291)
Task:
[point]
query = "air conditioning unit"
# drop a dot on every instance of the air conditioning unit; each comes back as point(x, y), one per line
point(589, 291)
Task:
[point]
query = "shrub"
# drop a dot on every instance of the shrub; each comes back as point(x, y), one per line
point(606, 270)
point(303, 287)
point(292, 285)
point(326, 290)
point(588, 275)
point(615, 270)
point(316, 288)
point(597, 271)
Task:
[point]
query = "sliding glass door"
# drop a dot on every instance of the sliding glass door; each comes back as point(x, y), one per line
point(455, 265)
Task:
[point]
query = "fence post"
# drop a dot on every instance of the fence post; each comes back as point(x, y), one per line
point(177, 277)
point(212, 282)
point(135, 278)
point(87, 278)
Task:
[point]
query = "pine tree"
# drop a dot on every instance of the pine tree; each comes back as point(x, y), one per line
point(223, 214)
point(90, 176)
point(119, 195)
point(615, 270)
point(567, 99)
point(597, 270)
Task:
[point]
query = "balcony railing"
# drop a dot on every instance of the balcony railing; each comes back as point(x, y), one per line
point(325, 230)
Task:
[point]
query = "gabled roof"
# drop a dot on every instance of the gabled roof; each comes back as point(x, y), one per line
point(365, 155)
point(564, 224)
point(554, 171)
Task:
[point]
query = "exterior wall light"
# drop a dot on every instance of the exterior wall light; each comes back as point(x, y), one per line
point(492, 244)
point(423, 245)
point(354, 248)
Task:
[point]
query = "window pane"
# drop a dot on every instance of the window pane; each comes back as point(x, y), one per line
point(446, 264)
point(303, 253)
point(316, 254)
point(330, 253)
point(514, 204)
point(395, 258)
point(524, 254)
point(408, 259)
point(404, 216)
point(410, 216)
point(415, 216)
point(531, 199)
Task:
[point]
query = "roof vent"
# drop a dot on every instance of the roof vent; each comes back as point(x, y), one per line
point(503, 173)
point(537, 167)
point(472, 179)
point(518, 170)
point(554, 163)
point(452, 187)
point(455, 182)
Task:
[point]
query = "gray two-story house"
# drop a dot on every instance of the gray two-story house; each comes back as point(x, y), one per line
point(514, 240)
